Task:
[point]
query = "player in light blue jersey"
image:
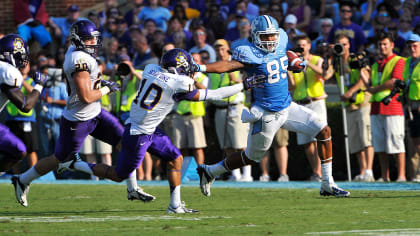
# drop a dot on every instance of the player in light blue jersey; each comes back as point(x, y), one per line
point(272, 107)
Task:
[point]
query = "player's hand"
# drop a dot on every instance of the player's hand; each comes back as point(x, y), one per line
point(255, 81)
point(195, 67)
point(302, 66)
point(40, 78)
point(113, 86)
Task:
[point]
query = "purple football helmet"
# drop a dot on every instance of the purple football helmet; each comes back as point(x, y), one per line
point(84, 30)
point(14, 50)
point(177, 61)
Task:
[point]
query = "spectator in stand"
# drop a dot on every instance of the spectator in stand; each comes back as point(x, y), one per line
point(189, 12)
point(22, 124)
point(110, 28)
point(107, 12)
point(61, 25)
point(110, 57)
point(244, 29)
point(233, 34)
point(347, 27)
point(205, 56)
point(93, 16)
point(142, 53)
point(121, 32)
point(149, 29)
point(405, 28)
point(131, 16)
point(31, 18)
point(199, 36)
point(190, 137)
point(276, 11)
point(159, 14)
point(326, 26)
point(303, 14)
point(175, 27)
point(214, 22)
point(399, 42)
point(387, 120)
point(290, 28)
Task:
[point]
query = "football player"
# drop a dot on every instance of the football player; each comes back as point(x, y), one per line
point(272, 108)
point(82, 115)
point(162, 86)
point(14, 55)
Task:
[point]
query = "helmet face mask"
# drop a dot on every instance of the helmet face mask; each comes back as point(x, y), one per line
point(177, 61)
point(82, 31)
point(265, 33)
point(14, 50)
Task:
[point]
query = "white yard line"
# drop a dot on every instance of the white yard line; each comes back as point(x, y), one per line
point(65, 219)
point(412, 231)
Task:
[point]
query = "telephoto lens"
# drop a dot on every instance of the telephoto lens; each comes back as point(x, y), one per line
point(123, 69)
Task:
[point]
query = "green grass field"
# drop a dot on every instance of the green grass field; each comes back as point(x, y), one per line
point(104, 210)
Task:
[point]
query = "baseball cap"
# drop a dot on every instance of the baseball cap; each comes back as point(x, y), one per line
point(414, 38)
point(291, 19)
point(124, 57)
point(326, 21)
point(73, 8)
point(221, 42)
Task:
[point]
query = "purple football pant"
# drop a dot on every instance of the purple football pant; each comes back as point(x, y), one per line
point(135, 146)
point(10, 145)
point(104, 127)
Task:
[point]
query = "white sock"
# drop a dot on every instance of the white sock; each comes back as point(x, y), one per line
point(131, 181)
point(29, 176)
point(369, 172)
point(236, 173)
point(83, 166)
point(175, 196)
point(217, 169)
point(327, 172)
point(246, 171)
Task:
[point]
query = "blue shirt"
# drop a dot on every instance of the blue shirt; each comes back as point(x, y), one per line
point(57, 92)
point(160, 15)
point(275, 95)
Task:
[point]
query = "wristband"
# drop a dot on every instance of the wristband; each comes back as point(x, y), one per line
point(38, 88)
point(203, 68)
point(104, 90)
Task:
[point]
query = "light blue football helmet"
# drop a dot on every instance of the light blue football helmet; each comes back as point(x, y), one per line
point(265, 25)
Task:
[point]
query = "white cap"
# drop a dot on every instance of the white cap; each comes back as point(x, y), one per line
point(326, 21)
point(291, 19)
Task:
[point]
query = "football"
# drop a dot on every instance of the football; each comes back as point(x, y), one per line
point(294, 61)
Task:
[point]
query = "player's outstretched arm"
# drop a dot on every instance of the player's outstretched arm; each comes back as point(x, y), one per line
point(22, 102)
point(219, 67)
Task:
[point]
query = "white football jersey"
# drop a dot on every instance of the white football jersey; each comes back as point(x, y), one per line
point(75, 109)
point(155, 98)
point(9, 75)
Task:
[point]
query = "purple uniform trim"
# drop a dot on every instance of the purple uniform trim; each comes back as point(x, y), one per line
point(135, 146)
point(10, 144)
point(185, 96)
point(104, 127)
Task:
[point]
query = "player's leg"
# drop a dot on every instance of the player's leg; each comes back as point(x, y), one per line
point(260, 137)
point(304, 120)
point(161, 146)
point(12, 148)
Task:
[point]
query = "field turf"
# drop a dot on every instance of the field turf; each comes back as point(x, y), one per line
point(77, 209)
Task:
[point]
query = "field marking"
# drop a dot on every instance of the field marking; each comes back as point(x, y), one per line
point(412, 231)
point(64, 219)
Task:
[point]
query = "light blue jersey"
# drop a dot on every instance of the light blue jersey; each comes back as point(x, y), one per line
point(275, 95)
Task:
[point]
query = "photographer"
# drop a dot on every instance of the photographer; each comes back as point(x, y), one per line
point(53, 100)
point(308, 90)
point(387, 120)
point(412, 77)
point(357, 105)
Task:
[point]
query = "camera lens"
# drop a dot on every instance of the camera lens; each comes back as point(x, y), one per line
point(123, 69)
point(338, 49)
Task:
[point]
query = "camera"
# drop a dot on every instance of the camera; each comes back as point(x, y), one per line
point(352, 99)
point(338, 49)
point(54, 75)
point(358, 60)
point(123, 69)
point(398, 86)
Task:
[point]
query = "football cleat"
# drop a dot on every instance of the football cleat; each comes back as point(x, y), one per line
point(181, 209)
point(333, 190)
point(139, 194)
point(21, 191)
point(205, 180)
point(68, 165)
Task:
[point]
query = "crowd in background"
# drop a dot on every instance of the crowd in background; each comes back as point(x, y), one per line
point(209, 30)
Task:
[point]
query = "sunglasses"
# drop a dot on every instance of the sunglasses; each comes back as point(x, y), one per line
point(199, 33)
point(345, 10)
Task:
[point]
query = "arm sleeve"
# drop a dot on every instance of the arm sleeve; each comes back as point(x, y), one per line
point(220, 93)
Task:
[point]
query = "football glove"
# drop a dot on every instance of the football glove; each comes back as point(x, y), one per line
point(195, 67)
point(255, 81)
point(40, 78)
point(113, 86)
